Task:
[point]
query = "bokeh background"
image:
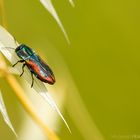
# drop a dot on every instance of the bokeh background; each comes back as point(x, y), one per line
point(103, 61)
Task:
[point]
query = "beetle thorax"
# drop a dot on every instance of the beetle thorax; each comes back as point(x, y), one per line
point(24, 52)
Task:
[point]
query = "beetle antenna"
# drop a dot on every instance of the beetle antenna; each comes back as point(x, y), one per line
point(15, 43)
point(9, 48)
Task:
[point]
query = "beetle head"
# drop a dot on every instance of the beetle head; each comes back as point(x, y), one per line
point(23, 51)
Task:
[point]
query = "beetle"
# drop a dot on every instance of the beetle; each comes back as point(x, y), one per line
point(35, 64)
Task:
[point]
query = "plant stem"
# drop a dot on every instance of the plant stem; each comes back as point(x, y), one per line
point(28, 106)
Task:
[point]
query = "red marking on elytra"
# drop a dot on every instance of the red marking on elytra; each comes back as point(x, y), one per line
point(33, 66)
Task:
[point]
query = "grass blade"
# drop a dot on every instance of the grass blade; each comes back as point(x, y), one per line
point(5, 114)
point(49, 6)
point(49, 99)
point(72, 3)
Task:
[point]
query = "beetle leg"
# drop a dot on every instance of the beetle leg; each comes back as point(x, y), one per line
point(21, 61)
point(22, 69)
point(32, 80)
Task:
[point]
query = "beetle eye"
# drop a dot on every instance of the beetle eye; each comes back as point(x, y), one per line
point(21, 47)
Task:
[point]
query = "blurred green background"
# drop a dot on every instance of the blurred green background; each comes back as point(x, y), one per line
point(103, 59)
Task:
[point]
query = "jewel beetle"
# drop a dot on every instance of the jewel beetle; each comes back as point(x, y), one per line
point(35, 64)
